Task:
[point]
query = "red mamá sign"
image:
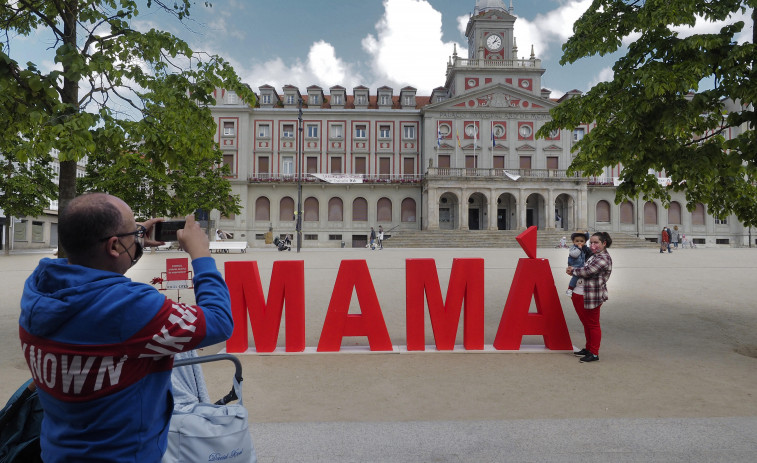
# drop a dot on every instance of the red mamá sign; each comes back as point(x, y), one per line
point(465, 294)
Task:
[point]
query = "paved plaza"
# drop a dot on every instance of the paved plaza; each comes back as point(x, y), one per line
point(676, 380)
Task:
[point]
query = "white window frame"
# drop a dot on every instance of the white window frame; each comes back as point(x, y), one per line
point(337, 131)
point(361, 131)
point(290, 99)
point(408, 132)
point(264, 131)
point(229, 131)
point(287, 165)
point(336, 99)
point(408, 100)
point(578, 133)
point(312, 130)
point(314, 99)
point(361, 100)
point(266, 98)
point(386, 100)
point(231, 97)
point(285, 132)
point(385, 131)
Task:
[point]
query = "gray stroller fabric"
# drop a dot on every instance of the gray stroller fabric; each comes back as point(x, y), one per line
point(188, 384)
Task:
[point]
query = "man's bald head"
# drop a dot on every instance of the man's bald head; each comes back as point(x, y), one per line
point(85, 221)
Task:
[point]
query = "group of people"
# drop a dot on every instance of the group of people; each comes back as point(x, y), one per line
point(590, 267)
point(377, 240)
point(81, 315)
point(669, 239)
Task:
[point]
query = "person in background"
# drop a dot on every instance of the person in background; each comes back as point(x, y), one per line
point(578, 253)
point(591, 292)
point(372, 243)
point(674, 235)
point(381, 237)
point(664, 240)
point(100, 347)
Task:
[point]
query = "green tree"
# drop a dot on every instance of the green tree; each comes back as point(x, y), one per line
point(115, 87)
point(683, 105)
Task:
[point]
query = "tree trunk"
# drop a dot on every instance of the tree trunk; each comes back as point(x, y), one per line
point(8, 222)
point(69, 95)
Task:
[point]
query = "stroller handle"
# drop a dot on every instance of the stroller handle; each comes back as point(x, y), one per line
point(212, 358)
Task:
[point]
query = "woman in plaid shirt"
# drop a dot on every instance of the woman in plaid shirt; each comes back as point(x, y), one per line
point(588, 297)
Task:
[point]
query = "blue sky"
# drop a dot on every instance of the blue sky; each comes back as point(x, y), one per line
point(366, 42)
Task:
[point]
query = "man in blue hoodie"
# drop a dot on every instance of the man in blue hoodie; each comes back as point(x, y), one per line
point(100, 347)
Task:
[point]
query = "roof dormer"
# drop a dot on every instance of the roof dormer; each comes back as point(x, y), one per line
point(407, 98)
point(268, 97)
point(292, 96)
point(360, 95)
point(315, 96)
point(438, 95)
point(338, 96)
point(384, 97)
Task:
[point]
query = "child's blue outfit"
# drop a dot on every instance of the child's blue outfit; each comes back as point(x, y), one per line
point(576, 259)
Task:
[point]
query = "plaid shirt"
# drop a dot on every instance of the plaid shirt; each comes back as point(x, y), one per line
point(595, 273)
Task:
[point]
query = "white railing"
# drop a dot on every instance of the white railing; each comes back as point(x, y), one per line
point(307, 178)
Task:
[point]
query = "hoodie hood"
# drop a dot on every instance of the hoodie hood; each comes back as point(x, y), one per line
point(56, 292)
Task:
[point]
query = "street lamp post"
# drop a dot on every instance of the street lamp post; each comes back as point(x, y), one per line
point(299, 175)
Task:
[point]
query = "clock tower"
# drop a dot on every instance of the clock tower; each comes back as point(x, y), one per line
point(490, 31)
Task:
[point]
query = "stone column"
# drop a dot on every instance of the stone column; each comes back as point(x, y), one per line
point(522, 198)
point(432, 209)
point(463, 225)
point(550, 209)
point(492, 210)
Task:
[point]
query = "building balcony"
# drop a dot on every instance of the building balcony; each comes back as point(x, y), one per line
point(495, 173)
point(458, 62)
point(353, 178)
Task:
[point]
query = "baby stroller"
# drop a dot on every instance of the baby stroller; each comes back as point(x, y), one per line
point(283, 245)
point(202, 431)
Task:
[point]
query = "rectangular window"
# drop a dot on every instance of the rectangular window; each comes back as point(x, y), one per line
point(360, 166)
point(315, 100)
point(439, 99)
point(408, 101)
point(312, 165)
point(360, 100)
point(552, 162)
point(263, 165)
point(228, 129)
point(335, 237)
point(19, 231)
point(385, 166)
point(310, 237)
point(408, 166)
point(444, 161)
point(38, 232)
point(312, 131)
point(337, 131)
point(231, 98)
point(385, 100)
point(721, 221)
point(288, 131)
point(499, 162)
point(525, 162)
point(360, 131)
point(470, 162)
point(228, 160)
point(408, 132)
point(267, 98)
point(264, 131)
point(336, 165)
point(578, 134)
point(385, 131)
point(336, 99)
point(290, 99)
point(287, 165)
point(722, 241)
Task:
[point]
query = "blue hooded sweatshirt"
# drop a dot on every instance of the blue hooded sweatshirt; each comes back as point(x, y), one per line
point(100, 349)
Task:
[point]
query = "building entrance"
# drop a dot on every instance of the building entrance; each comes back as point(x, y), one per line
point(473, 219)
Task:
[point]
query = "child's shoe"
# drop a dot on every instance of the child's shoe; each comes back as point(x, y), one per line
point(569, 292)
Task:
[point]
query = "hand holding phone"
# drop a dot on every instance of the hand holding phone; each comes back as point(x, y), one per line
point(166, 231)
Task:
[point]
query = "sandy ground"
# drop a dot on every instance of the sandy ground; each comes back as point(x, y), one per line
point(678, 342)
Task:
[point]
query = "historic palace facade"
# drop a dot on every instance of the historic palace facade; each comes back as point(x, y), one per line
point(463, 158)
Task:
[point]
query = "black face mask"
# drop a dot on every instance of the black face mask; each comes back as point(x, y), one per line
point(137, 254)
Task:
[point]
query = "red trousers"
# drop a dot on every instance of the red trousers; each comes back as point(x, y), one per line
point(590, 319)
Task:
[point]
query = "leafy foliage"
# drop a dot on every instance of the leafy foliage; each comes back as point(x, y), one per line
point(679, 105)
point(123, 97)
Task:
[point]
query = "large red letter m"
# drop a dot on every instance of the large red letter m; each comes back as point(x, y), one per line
point(466, 281)
point(287, 286)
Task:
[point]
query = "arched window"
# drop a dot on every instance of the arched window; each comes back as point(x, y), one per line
point(674, 213)
point(360, 210)
point(626, 212)
point(263, 209)
point(650, 213)
point(384, 210)
point(603, 211)
point(286, 209)
point(697, 215)
point(311, 210)
point(335, 210)
point(408, 210)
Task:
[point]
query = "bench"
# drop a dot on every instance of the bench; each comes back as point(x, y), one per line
point(226, 246)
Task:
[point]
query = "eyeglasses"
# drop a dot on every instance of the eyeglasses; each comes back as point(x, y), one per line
point(139, 235)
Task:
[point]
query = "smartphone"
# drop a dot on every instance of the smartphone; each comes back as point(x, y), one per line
point(166, 231)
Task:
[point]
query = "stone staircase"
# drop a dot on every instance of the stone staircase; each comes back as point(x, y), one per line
point(493, 239)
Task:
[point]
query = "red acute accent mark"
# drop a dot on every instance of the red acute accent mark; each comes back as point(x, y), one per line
point(527, 241)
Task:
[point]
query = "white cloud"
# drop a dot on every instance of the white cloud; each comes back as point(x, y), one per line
point(548, 30)
point(408, 48)
point(604, 75)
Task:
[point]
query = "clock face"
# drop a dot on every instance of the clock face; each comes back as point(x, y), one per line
point(494, 42)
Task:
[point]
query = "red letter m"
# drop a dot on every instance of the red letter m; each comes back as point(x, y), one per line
point(287, 285)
